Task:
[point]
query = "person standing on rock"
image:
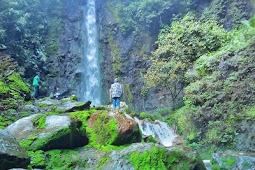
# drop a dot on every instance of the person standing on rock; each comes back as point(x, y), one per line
point(36, 82)
point(116, 92)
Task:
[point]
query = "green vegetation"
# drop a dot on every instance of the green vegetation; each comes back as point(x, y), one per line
point(39, 122)
point(159, 158)
point(13, 92)
point(103, 160)
point(44, 105)
point(38, 159)
point(17, 83)
point(139, 15)
point(180, 45)
point(31, 29)
point(53, 159)
point(34, 143)
point(61, 159)
point(128, 93)
point(73, 98)
point(6, 120)
point(101, 130)
point(215, 93)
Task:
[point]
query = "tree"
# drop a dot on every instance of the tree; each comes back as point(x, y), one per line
point(179, 45)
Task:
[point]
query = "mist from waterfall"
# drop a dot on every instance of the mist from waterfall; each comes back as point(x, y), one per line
point(92, 80)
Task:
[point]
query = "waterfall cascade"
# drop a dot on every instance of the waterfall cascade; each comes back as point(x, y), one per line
point(92, 80)
point(160, 131)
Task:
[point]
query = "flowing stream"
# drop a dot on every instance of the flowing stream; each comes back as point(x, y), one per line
point(92, 79)
point(159, 130)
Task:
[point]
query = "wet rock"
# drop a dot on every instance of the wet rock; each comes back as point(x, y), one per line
point(233, 160)
point(128, 131)
point(63, 67)
point(12, 155)
point(30, 108)
point(90, 158)
point(64, 105)
point(48, 132)
point(135, 156)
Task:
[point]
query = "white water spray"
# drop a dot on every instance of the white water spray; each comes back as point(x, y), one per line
point(92, 79)
point(160, 131)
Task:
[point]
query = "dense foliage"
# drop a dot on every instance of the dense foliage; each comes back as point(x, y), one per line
point(178, 47)
point(141, 15)
point(13, 91)
point(215, 67)
point(29, 30)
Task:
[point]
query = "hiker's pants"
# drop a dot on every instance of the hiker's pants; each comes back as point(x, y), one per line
point(116, 102)
point(36, 92)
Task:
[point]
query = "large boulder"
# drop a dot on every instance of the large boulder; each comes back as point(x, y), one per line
point(12, 155)
point(152, 156)
point(64, 105)
point(48, 132)
point(112, 129)
point(233, 160)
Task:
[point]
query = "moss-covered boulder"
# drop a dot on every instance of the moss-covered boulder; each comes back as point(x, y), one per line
point(42, 132)
point(64, 105)
point(12, 155)
point(233, 160)
point(153, 156)
point(112, 130)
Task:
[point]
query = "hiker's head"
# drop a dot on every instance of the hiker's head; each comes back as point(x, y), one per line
point(38, 73)
point(116, 80)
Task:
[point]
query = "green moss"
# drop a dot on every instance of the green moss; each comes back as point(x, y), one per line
point(192, 135)
point(216, 166)
point(252, 21)
point(6, 120)
point(42, 105)
point(117, 66)
point(150, 139)
point(73, 98)
point(100, 108)
point(34, 143)
point(39, 122)
point(62, 101)
point(103, 160)
point(38, 159)
point(82, 116)
point(251, 111)
point(27, 142)
point(144, 115)
point(3, 88)
point(61, 159)
point(128, 93)
point(229, 161)
point(158, 158)
point(17, 83)
point(104, 131)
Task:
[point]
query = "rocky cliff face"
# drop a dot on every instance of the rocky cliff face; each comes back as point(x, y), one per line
point(64, 69)
point(126, 56)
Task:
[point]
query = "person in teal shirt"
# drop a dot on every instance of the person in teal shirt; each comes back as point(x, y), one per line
point(36, 82)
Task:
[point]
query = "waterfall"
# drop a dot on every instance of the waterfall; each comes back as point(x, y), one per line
point(160, 131)
point(92, 80)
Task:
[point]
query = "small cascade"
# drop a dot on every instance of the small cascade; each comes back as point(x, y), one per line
point(159, 130)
